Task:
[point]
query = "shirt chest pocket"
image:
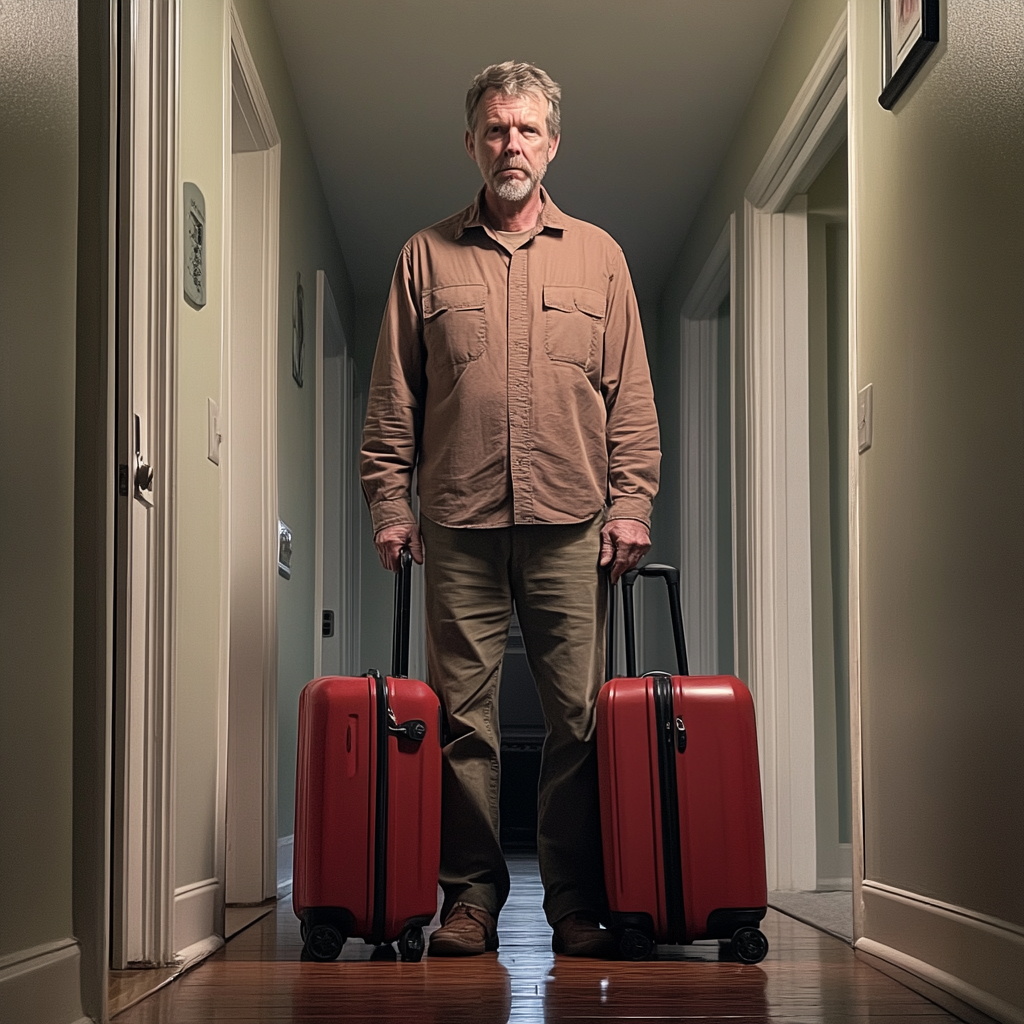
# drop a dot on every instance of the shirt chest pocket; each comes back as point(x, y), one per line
point(453, 322)
point(573, 323)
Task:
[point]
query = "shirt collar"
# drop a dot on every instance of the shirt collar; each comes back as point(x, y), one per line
point(550, 215)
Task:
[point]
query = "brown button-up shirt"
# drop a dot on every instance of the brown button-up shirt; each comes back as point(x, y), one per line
point(516, 383)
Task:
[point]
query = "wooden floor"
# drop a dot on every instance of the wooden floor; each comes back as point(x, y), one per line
point(808, 977)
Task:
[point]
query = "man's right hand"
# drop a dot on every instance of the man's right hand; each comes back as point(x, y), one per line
point(391, 539)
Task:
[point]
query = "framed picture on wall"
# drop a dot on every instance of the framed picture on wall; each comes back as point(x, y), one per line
point(298, 330)
point(910, 30)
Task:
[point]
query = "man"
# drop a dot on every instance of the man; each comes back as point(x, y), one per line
point(511, 374)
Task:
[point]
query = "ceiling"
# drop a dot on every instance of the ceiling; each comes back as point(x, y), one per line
point(652, 91)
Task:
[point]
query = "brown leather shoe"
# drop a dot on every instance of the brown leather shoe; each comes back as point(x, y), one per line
point(467, 931)
point(581, 935)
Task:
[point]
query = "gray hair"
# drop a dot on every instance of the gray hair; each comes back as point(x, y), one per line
point(513, 79)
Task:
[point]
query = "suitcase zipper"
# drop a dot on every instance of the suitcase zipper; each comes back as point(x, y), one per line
point(380, 851)
point(671, 853)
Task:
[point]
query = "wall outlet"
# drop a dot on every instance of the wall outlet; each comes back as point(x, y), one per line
point(213, 433)
point(865, 410)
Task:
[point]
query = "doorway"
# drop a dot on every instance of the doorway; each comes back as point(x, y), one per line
point(707, 464)
point(781, 585)
point(828, 373)
point(339, 416)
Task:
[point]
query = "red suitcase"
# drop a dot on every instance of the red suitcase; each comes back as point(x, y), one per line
point(368, 804)
point(680, 802)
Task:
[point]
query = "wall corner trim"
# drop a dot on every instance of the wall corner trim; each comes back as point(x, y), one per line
point(42, 984)
point(811, 132)
point(947, 990)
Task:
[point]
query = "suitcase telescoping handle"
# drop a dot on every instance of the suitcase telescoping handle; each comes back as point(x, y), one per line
point(403, 611)
point(670, 575)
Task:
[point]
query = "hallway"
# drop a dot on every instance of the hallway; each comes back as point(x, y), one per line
point(808, 977)
point(204, 202)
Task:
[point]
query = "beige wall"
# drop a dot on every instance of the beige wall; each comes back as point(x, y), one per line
point(198, 683)
point(938, 186)
point(308, 244)
point(800, 40)
point(38, 213)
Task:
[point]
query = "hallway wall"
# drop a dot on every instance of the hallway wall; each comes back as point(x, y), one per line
point(307, 244)
point(198, 684)
point(800, 40)
point(39, 957)
point(939, 262)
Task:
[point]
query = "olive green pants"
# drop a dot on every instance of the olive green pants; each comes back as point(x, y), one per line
point(472, 578)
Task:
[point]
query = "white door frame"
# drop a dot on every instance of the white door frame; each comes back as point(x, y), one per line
point(778, 461)
point(249, 804)
point(698, 476)
point(142, 850)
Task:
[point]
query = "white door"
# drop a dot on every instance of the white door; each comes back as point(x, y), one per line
point(142, 852)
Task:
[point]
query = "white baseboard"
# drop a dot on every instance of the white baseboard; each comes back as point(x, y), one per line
point(285, 851)
point(42, 985)
point(197, 952)
point(975, 958)
point(197, 909)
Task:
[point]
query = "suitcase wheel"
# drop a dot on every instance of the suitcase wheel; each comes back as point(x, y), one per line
point(749, 945)
point(410, 945)
point(636, 945)
point(323, 943)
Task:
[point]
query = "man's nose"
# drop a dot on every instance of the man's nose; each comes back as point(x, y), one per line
point(514, 142)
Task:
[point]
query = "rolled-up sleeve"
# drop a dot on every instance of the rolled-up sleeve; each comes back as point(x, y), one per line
point(634, 450)
point(394, 414)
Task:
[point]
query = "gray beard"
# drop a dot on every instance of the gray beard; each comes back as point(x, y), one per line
point(512, 190)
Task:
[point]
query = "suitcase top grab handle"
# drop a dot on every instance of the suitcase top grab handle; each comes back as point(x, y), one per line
point(670, 574)
point(403, 611)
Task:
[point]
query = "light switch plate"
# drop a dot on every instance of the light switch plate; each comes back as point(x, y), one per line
point(865, 410)
point(213, 433)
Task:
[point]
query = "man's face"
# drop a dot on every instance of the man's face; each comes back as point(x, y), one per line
point(511, 145)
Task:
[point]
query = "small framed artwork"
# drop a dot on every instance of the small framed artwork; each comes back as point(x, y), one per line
point(910, 30)
point(298, 330)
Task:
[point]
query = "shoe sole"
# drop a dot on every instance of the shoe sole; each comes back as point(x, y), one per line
point(441, 949)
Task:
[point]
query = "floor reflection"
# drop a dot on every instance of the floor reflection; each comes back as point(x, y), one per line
point(681, 988)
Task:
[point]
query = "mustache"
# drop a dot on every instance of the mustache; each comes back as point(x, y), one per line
point(513, 165)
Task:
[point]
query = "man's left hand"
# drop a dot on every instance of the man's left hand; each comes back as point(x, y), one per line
point(623, 543)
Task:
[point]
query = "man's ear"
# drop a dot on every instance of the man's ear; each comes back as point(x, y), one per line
point(470, 145)
point(553, 147)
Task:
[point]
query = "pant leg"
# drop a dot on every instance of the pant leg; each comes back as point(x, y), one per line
point(468, 608)
point(560, 599)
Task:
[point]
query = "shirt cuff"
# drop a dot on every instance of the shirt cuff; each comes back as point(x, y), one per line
point(394, 512)
point(630, 507)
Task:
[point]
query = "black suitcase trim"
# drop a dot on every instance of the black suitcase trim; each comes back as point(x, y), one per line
point(380, 839)
point(671, 849)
